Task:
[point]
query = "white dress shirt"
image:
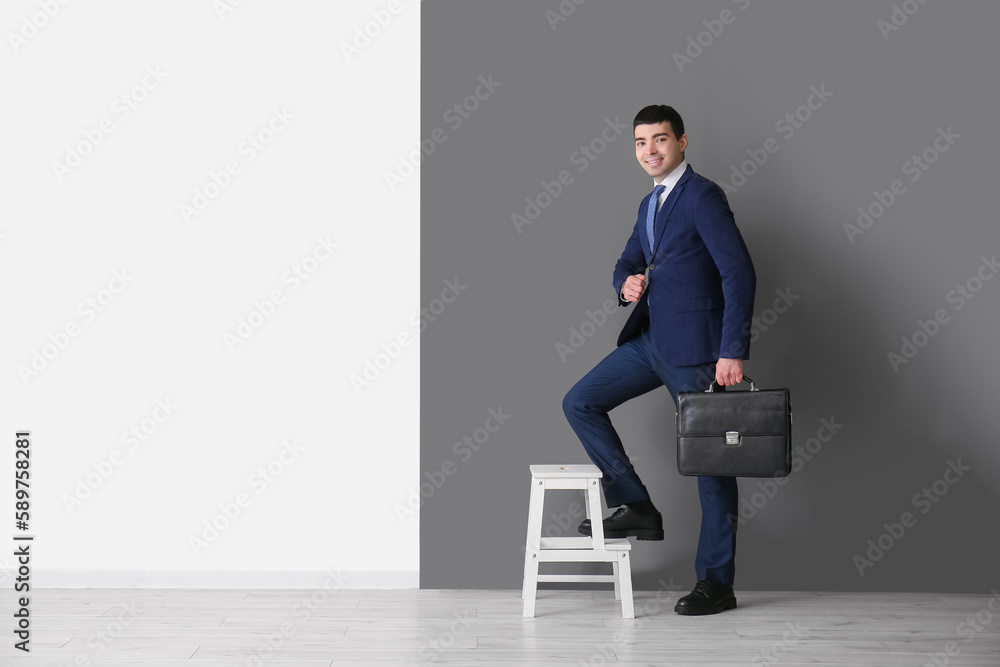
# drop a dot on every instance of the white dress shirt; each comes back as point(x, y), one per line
point(670, 180)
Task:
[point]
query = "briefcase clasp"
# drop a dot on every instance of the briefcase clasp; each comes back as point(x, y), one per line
point(732, 437)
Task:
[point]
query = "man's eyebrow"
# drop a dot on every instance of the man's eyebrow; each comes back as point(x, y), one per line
point(658, 134)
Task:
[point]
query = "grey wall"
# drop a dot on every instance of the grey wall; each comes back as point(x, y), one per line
point(853, 297)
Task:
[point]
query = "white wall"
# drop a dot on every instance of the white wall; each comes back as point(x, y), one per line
point(160, 336)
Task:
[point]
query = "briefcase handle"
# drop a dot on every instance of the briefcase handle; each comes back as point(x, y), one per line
point(711, 387)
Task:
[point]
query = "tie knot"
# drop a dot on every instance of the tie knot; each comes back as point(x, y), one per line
point(658, 189)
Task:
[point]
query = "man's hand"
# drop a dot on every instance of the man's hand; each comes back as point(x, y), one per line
point(634, 285)
point(729, 371)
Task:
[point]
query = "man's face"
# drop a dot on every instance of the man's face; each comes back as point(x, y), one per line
point(658, 150)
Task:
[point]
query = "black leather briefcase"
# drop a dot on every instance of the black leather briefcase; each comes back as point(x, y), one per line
point(734, 433)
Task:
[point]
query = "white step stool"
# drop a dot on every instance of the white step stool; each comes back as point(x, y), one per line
point(573, 549)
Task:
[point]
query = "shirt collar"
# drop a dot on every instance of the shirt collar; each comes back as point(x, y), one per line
point(670, 180)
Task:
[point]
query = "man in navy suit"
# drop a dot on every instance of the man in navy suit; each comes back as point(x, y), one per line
point(688, 272)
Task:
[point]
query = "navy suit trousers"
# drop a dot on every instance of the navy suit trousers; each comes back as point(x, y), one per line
point(631, 370)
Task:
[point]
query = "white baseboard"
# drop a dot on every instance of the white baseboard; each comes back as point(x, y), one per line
point(222, 579)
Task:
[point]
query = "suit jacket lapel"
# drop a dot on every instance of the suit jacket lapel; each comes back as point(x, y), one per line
point(663, 214)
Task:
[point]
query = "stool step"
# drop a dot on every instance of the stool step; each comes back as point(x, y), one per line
point(577, 470)
point(583, 542)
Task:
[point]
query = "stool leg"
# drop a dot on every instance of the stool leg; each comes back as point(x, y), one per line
point(617, 575)
point(533, 544)
point(625, 578)
point(594, 509)
point(531, 581)
point(536, 503)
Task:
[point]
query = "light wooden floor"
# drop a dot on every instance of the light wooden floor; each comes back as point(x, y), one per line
point(484, 628)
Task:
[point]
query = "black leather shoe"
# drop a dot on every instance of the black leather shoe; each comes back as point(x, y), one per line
point(626, 522)
point(707, 597)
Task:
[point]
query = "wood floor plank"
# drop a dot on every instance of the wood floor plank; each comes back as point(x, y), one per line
point(152, 662)
point(484, 628)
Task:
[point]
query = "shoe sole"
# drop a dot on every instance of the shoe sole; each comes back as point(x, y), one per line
point(728, 604)
point(650, 534)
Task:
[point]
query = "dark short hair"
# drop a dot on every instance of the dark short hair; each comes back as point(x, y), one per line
point(658, 113)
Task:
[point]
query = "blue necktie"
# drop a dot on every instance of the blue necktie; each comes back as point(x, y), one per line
point(654, 202)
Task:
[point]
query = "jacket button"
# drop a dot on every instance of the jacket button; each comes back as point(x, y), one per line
point(652, 266)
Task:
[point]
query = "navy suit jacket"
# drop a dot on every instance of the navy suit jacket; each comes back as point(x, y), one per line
point(699, 296)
